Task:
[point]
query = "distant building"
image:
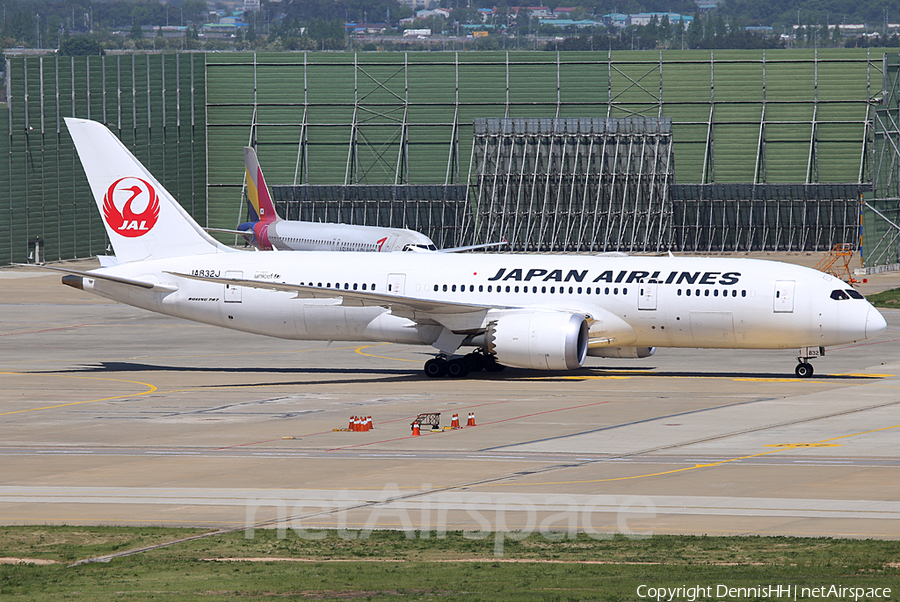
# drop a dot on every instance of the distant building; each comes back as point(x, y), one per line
point(420, 4)
point(570, 23)
point(438, 12)
point(561, 12)
point(645, 18)
point(251, 6)
point(541, 12)
point(618, 20)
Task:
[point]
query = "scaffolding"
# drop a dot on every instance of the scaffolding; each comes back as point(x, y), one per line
point(879, 230)
point(571, 184)
point(797, 122)
point(434, 210)
point(765, 217)
point(752, 119)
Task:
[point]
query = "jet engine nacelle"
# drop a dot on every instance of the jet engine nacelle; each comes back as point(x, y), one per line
point(622, 352)
point(540, 340)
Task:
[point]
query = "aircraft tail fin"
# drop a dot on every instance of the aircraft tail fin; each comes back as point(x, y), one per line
point(142, 220)
point(261, 206)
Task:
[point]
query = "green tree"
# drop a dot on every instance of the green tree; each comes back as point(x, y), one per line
point(82, 45)
point(195, 11)
point(136, 32)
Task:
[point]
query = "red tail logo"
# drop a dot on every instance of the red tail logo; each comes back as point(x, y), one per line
point(140, 206)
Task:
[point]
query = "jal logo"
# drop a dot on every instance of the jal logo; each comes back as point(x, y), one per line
point(139, 206)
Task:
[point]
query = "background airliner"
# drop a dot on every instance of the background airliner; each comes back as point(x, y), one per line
point(267, 231)
point(544, 312)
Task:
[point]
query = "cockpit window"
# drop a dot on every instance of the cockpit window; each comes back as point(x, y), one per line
point(839, 295)
point(854, 294)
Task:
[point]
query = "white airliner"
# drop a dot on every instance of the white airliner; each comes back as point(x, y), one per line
point(267, 231)
point(543, 312)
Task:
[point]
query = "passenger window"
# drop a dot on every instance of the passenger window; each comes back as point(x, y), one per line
point(445, 288)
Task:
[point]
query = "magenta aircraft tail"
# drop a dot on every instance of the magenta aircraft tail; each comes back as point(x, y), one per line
point(261, 207)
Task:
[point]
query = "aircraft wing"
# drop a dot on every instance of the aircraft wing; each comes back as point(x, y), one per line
point(227, 231)
point(455, 316)
point(473, 247)
point(109, 278)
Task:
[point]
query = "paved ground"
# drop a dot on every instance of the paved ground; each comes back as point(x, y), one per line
point(113, 415)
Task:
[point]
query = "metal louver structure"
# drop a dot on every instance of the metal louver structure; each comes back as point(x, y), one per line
point(572, 184)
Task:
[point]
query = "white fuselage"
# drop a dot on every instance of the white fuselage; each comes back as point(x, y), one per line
point(633, 301)
point(311, 236)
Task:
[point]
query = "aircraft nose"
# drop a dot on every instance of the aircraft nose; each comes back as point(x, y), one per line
point(875, 323)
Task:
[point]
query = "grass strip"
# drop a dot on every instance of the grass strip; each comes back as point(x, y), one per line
point(389, 565)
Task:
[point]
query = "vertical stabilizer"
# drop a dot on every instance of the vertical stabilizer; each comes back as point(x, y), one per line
point(257, 192)
point(142, 219)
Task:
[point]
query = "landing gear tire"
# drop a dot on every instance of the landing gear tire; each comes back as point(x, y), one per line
point(436, 367)
point(803, 370)
point(458, 368)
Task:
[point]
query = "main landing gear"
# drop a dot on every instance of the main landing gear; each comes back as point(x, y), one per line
point(459, 367)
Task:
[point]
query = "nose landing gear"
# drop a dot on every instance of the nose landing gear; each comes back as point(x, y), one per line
point(804, 369)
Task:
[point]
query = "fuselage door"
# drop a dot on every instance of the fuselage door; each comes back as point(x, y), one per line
point(232, 292)
point(784, 296)
point(396, 283)
point(647, 297)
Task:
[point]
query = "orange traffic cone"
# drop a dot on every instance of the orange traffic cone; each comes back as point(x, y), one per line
point(357, 424)
point(350, 426)
point(416, 430)
point(471, 421)
point(454, 423)
point(369, 426)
